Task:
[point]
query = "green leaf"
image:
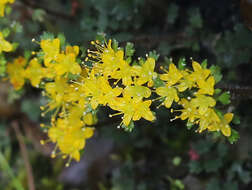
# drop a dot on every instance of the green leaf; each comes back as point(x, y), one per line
point(236, 120)
point(154, 55)
point(100, 36)
point(38, 15)
point(204, 64)
point(181, 63)
point(115, 45)
point(213, 165)
point(129, 49)
point(62, 39)
point(129, 128)
point(217, 91)
point(195, 167)
point(172, 13)
point(214, 184)
point(189, 125)
point(31, 108)
point(158, 82)
point(27, 54)
point(178, 183)
point(6, 32)
point(2, 65)
point(203, 146)
point(230, 186)
point(216, 72)
point(176, 161)
point(222, 149)
point(46, 36)
point(195, 18)
point(234, 136)
point(224, 98)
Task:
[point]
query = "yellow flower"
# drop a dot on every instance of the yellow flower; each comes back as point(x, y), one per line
point(206, 86)
point(56, 91)
point(185, 82)
point(3, 4)
point(72, 49)
point(70, 134)
point(35, 72)
point(223, 125)
point(51, 49)
point(125, 73)
point(170, 94)
point(16, 72)
point(132, 109)
point(206, 120)
point(199, 73)
point(172, 76)
point(66, 64)
point(90, 119)
point(188, 112)
point(4, 45)
point(137, 92)
point(202, 103)
point(100, 91)
point(106, 60)
point(145, 72)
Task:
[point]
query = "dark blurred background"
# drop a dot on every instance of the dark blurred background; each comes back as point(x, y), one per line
point(161, 155)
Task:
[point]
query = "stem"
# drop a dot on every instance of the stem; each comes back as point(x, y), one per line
point(24, 154)
point(6, 167)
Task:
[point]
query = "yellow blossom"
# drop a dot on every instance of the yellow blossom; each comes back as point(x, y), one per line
point(106, 60)
point(188, 112)
point(90, 119)
point(172, 76)
point(170, 94)
point(199, 73)
point(124, 73)
point(137, 92)
point(72, 49)
point(185, 82)
point(100, 91)
point(35, 72)
point(223, 125)
point(4, 45)
point(51, 49)
point(132, 109)
point(206, 86)
point(56, 91)
point(145, 72)
point(16, 72)
point(207, 119)
point(202, 103)
point(66, 64)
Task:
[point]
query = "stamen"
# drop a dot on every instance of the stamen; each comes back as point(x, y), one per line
point(115, 114)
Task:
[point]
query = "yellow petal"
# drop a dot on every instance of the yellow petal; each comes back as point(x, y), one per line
point(226, 130)
point(89, 132)
point(228, 117)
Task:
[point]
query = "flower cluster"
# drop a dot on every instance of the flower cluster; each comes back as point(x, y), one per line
point(72, 118)
point(75, 90)
point(198, 107)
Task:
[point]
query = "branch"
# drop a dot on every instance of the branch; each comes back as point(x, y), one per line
point(24, 154)
point(237, 91)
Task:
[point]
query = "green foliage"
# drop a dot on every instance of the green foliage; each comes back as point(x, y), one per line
point(224, 98)
point(234, 136)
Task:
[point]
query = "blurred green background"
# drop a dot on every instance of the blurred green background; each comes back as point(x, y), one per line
point(160, 155)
